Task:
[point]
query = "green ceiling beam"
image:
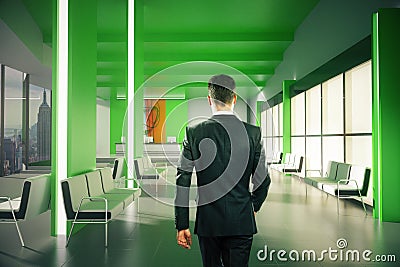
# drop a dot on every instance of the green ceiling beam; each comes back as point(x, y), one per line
point(218, 37)
point(170, 83)
point(203, 69)
point(248, 71)
point(118, 78)
point(111, 84)
point(216, 56)
point(111, 37)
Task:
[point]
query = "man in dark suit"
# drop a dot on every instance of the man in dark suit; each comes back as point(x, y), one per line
point(226, 154)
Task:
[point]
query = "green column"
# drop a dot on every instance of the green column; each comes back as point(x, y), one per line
point(82, 72)
point(81, 109)
point(286, 120)
point(386, 112)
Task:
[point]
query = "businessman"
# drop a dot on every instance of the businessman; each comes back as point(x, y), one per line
point(229, 159)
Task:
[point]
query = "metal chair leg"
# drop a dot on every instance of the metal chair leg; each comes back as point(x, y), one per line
point(19, 234)
point(337, 204)
point(70, 233)
point(365, 210)
point(16, 222)
point(106, 235)
point(362, 201)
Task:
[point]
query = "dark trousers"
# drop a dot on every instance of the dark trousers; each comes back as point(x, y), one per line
point(225, 251)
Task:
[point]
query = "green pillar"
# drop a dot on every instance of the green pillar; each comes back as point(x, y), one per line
point(286, 120)
point(386, 111)
point(80, 129)
point(82, 72)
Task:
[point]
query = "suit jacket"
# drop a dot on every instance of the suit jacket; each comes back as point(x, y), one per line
point(226, 154)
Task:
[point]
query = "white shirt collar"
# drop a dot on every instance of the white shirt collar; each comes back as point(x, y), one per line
point(224, 112)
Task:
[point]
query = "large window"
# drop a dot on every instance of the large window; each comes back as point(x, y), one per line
point(26, 122)
point(333, 121)
point(39, 124)
point(272, 129)
point(13, 121)
point(298, 124)
point(313, 128)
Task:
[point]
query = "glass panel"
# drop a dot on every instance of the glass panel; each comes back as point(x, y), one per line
point(275, 115)
point(280, 106)
point(298, 115)
point(270, 125)
point(263, 123)
point(268, 146)
point(13, 112)
point(313, 156)
point(359, 99)
point(276, 145)
point(299, 148)
point(40, 124)
point(359, 150)
point(332, 106)
point(313, 111)
point(280, 142)
point(332, 149)
point(298, 145)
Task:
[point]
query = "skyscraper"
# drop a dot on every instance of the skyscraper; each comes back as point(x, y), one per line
point(44, 130)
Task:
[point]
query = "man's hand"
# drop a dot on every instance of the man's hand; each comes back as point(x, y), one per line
point(184, 238)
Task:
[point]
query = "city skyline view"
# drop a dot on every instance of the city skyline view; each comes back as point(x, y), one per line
point(39, 122)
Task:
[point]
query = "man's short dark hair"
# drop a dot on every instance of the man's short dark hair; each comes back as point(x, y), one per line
point(222, 88)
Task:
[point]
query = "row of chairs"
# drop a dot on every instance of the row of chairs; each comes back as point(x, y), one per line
point(343, 180)
point(276, 158)
point(144, 170)
point(292, 164)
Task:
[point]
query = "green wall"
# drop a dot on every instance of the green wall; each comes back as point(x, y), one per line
point(176, 118)
point(386, 113)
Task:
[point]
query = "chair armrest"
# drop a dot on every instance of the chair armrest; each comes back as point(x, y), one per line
point(94, 199)
point(347, 181)
point(11, 207)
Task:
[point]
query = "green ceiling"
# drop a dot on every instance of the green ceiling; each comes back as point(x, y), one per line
point(250, 36)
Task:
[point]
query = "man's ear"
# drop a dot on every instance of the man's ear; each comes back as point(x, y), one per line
point(234, 99)
point(209, 100)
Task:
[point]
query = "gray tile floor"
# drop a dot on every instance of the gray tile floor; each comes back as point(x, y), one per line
point(289, 220)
